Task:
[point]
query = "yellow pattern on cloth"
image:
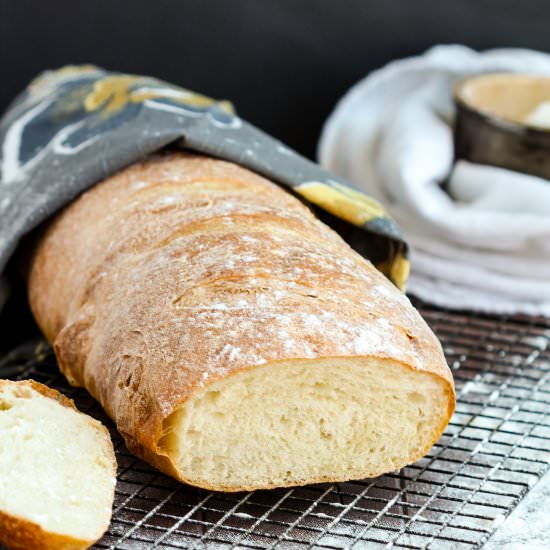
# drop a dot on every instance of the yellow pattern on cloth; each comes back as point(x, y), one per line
point(348, 204)
point(397, 270)
point(69, 72)
point(112, 93)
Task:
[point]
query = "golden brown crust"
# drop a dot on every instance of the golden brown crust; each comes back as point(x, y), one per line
point(19, 534)
point(182, 270)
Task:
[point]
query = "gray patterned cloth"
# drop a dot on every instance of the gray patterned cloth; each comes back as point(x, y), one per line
point(73, 127)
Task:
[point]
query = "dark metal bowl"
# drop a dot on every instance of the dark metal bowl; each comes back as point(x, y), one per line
point(484, 134)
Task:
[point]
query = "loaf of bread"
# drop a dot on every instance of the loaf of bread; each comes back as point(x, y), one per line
point(57, 471)
point(237, 342)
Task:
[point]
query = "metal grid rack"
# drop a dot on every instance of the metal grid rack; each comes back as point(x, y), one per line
point(496, 447)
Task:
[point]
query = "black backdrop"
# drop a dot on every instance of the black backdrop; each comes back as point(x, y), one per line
point(284, 63)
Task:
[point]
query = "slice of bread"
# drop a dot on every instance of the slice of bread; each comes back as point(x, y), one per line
point(57, 471)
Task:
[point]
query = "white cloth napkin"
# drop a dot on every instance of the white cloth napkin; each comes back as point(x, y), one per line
point(483, 245)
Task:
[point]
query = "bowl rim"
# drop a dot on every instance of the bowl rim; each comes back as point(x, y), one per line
point(496, 120)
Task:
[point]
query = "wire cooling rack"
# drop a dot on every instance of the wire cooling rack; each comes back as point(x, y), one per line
point(496, 447)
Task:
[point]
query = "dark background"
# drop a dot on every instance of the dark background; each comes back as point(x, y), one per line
point(284, 63)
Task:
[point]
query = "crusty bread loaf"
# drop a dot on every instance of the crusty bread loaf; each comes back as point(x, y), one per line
point(237, 342)
point(57, 471)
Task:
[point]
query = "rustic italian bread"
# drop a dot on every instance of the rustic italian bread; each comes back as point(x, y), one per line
point(57, 471)
point(237, 342)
